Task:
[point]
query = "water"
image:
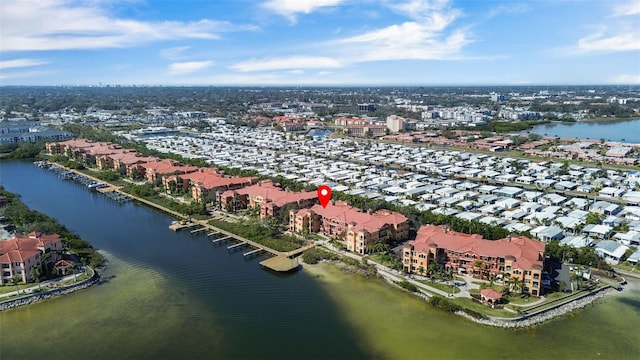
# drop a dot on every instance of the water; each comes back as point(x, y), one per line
point(173, 295)
point(613, 130)
point(320, 133)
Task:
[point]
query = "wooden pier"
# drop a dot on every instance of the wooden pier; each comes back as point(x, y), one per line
point(198, 230)
point(221, 239)
point(231, 247)
point(281, 263)
point(249, 253)
point(178, 225)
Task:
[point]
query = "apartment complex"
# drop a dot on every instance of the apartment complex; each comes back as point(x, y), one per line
point(205, 183)
point(358, 228)
point(20, 254)
point(514, 257)
point(266, 196)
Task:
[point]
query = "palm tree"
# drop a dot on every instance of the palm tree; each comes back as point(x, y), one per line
point(74, 267)
point(36, 272)
point(515, 284)
point(15, 280)
point(492, 279)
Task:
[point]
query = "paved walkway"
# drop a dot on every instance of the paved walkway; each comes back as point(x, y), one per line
point(45, 285)
point(388, 273)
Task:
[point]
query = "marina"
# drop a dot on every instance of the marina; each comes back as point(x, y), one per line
point(189, 289)
point(93, 184)
point(185, 223)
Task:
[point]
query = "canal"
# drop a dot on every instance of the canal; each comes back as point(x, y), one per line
point(176, 295)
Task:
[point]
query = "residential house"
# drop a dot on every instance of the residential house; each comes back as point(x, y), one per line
point(611, 251)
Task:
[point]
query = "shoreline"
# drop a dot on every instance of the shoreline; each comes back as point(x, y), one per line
point(545, 315)
point(40, 296)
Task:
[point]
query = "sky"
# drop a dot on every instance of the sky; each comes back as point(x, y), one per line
point(319, 42)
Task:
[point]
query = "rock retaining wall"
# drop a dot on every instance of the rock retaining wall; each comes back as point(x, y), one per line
point(545, 314)
point(45, 295)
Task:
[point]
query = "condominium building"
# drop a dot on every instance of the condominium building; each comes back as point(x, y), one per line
point(205, 183)
point(266, 196)
point(358, 229)
point(514, 257)
point(19, 255)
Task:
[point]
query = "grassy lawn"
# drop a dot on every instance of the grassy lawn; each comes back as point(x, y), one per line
point(256, 232)
point(443, 287)
point(485, 285)
point(9, 288)
point(520, 299)
point(483, 309)
point(552, 301)
point(628, 267)
point(383, 260)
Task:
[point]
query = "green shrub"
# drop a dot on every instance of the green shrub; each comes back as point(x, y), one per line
point(407, 285)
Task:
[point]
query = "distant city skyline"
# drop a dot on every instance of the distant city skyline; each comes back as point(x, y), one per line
point(319, 42)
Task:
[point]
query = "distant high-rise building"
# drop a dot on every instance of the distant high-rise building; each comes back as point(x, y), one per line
point(366, 107)
point(497, 97)
point(395, 123)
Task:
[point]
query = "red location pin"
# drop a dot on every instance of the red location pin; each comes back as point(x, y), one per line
point(324, 195)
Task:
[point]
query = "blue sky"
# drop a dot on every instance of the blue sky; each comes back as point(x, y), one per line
point(319, 42)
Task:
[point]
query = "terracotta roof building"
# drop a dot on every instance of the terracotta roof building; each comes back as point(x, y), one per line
point(360, 229)
point(19, 254)
point(490, 297)
point(155, 170)
point(266, 196)
point(205, 183)
point(518, 257)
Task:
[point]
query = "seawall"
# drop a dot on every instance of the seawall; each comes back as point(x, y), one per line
point(50, 294)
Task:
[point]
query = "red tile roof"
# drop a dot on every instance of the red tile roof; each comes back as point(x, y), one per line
point(20, 247)
point(491, 294)
point(212, 179)
point(341, 212)
point(274, 194)
point(525, 251)
point(168, 166)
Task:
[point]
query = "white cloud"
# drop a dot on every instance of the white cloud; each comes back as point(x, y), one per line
point(174, 53)
point(620, 33)
point(425, 9)
point(62, 25)
point(425, 38)
point(627, 9)
point(409, 40)
point(180, 68)
point(627, 79)
point(601, 42)
point(508, 9)
point(18, 63)
point(294, 63)
point(291, 8)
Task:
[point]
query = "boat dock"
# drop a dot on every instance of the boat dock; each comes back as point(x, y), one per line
point(221, 239)
point(231, 247)
point(198, 230)
point(249, 253)
point(281, 263)
point(179, 225)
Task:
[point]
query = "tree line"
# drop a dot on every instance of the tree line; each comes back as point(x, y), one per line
point(26, 220)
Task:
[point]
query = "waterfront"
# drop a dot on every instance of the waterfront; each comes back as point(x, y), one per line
point(611, 130)
point(173, 295)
